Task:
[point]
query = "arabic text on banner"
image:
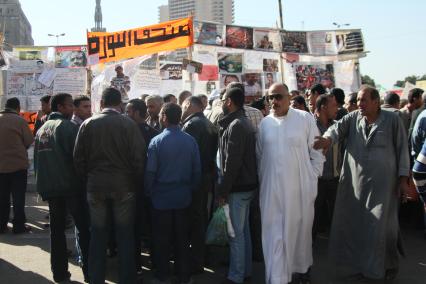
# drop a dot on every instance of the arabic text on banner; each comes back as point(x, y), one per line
point(136, 42)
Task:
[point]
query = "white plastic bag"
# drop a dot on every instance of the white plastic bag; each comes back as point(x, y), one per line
point(231, 231)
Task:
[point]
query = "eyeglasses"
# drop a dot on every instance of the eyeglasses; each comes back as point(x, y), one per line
point(277, 97)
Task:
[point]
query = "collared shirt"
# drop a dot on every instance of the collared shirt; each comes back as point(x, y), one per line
point(76, 120)
point(254, 115)
point(173, 169)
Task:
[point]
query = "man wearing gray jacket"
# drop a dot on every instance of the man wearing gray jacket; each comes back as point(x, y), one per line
point(110, 154)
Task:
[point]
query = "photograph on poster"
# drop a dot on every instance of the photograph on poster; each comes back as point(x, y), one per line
point(70, 56)
point(294, 42)
point(239, 37)
point(270, 65)
point(225, 79)
point(171, 71)
point(252, 84)
point(266, 40)
point(208, 33)
point(268, 79)
point(309, 75)
point(349, 42)
point(230, 62)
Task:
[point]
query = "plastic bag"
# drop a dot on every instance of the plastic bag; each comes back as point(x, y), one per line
point(231, 231)
point(217, 231)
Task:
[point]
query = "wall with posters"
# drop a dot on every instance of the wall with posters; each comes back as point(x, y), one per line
point(33, 72)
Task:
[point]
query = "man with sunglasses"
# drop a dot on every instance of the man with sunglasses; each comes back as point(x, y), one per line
point(288, 171)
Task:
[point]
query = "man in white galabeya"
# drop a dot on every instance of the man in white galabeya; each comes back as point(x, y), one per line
point(288, 170)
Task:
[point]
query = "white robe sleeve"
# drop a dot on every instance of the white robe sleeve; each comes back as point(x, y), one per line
point(316, 156)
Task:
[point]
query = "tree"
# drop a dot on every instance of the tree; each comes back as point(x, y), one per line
point(367, 80)
point(412, 79)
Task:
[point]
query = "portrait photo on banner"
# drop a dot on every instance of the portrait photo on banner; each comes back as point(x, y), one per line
point(265, 39)
point(252, 84)
point(239, 37)
point(70, 56)
point(230, 62)
point(225, 79)
point(270, 65)
point(268, 79)
point(309, 75)
point(208, 33)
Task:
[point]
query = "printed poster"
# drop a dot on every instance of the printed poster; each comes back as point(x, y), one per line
point(349, 42)
point(239, 37)
point(208, 33)
point(29, 53)
point(309, 75)
point(294, 42)
point(225, 79)
point(267, 40)
point(270, 65)
point(230, 62)
point(209, 73)
point(322, 43)
point(70, 80)
point(70, 56)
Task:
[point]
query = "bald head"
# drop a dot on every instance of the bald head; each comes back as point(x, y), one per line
point(278, 88)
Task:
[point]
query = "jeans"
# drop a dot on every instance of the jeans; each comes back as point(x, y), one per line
point(240, 246)
point(123, 209)
point(58, 210)
point(14, 184)
point(171, 228)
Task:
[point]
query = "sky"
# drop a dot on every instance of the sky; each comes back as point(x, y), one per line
point(394, 30)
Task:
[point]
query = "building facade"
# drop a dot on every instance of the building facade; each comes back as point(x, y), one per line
point(220, 11)
point(15, 26)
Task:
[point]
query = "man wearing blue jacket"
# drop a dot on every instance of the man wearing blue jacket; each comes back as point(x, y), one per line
point(173, 171)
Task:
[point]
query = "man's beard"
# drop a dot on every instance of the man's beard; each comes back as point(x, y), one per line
point(225, 110)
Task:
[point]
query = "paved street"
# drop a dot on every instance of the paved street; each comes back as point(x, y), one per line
point(25, 258)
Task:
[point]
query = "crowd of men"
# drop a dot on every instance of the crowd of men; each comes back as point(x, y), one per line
point(155, 168)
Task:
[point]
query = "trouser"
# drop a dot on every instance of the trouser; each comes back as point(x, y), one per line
point(256, 228)
point(171, 228)
point(324, 204)
point(14, 184)
point(240, 246)
point(58, 209)
point(142, 225)
point(122, 205)
point(198, 225)
point(422, 196)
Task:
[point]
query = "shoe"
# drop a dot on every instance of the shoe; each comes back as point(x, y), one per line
point(25, 229)
point(62, 278)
